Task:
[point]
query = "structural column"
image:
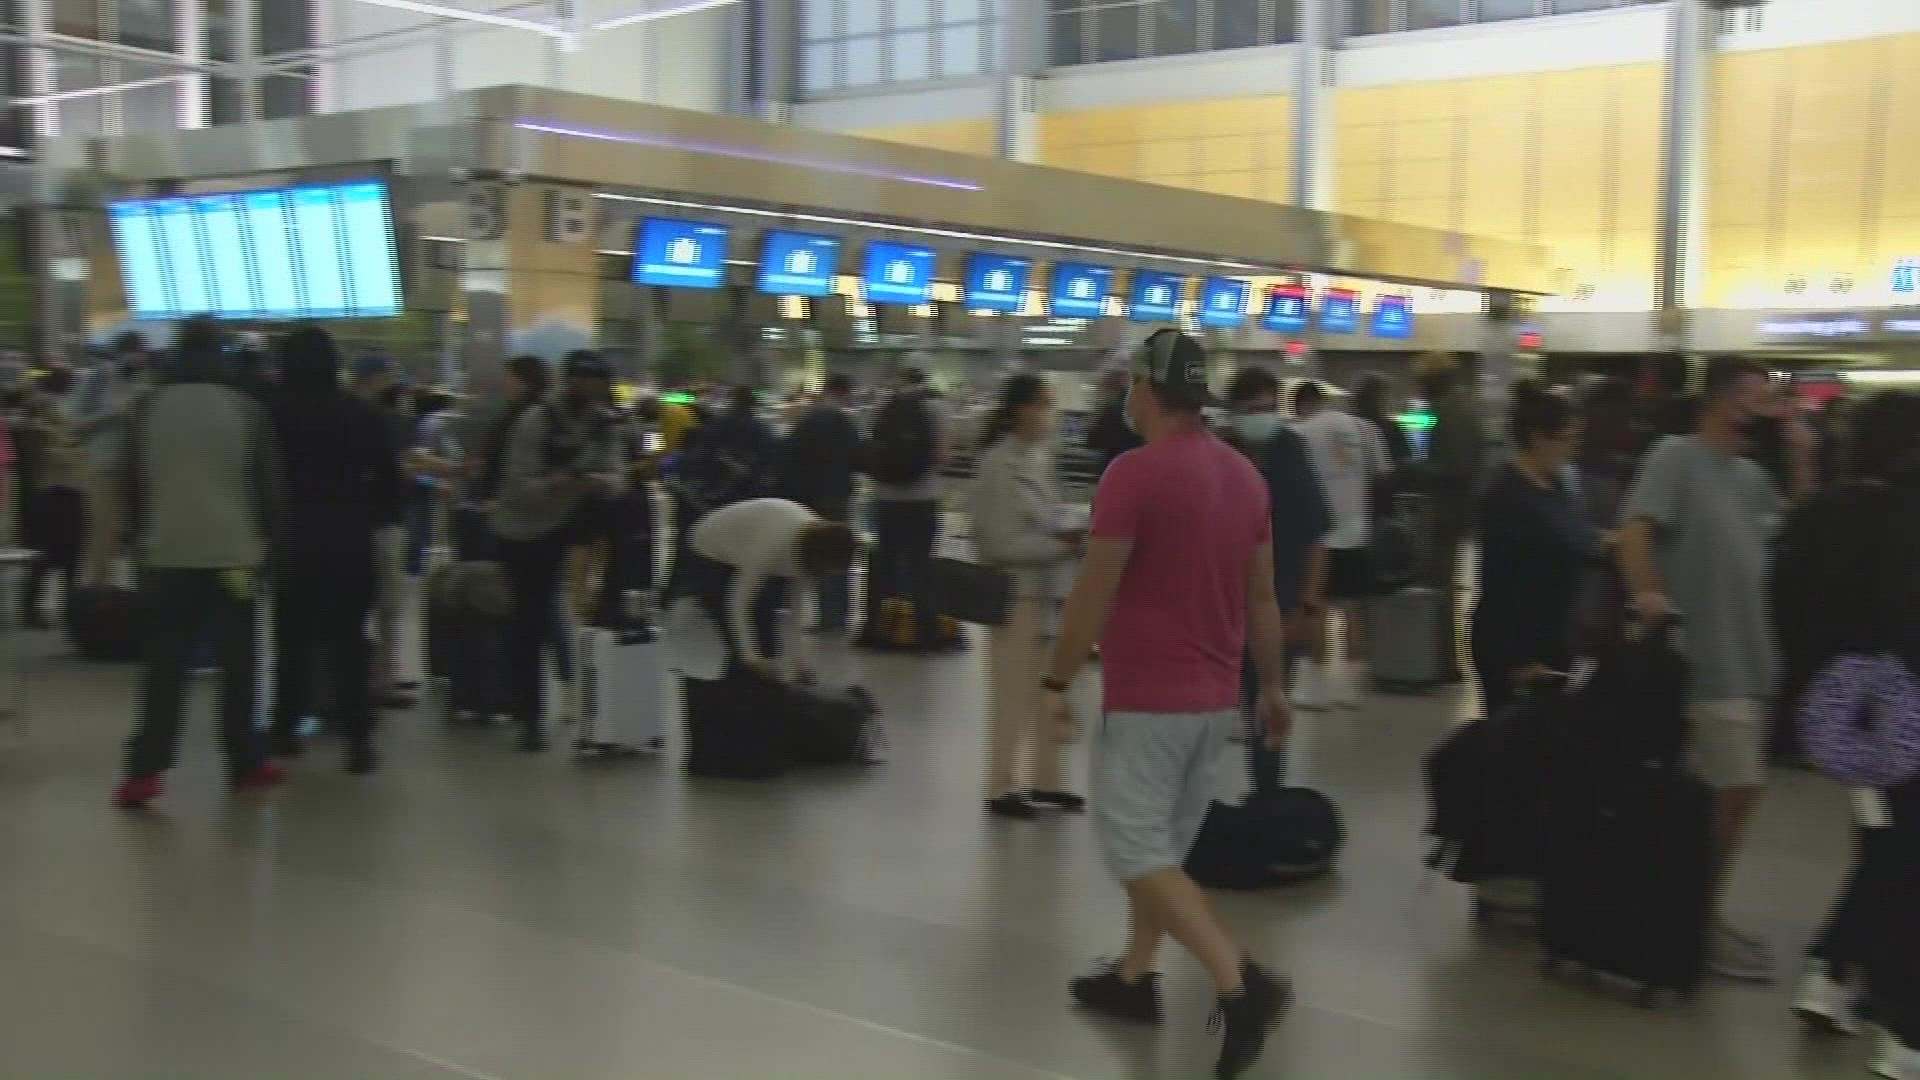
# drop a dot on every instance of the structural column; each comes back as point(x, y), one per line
point(243, 24)
point(1313, 151)
point(1022, 49)
point(530, 280)
point(1680, 246)
point(190, 38)
point(772, 81)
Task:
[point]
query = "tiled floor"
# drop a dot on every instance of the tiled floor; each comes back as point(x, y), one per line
point(471, 912)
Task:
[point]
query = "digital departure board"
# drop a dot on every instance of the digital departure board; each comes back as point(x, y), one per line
point(899, 273)
point(1080, 290)
point(324, 251)
point(798, 264)
point(1156, 296)
point(1223, 303)
point(689, 254)
point(997, 282)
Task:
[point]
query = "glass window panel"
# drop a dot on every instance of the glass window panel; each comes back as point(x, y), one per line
point(1236, 24)
point(79, 116)
point(282, 95)
point(1116, 33)
point(1286, 21)
point(960, 54)
point(283, 27)
point(911, 13)
point(1565, 6)
point(149, 23)
point(1065, 5)
point(1423, 14)
point(816, 67)
point(912, 50)
point(863, 61)
point(1063, 38)
point(959, 11)
point(816, 19)
point(1176, 27)
point(1369, 17)
point(863, 16)
point(77, 18)
point(1501, 10)
point(225, 104)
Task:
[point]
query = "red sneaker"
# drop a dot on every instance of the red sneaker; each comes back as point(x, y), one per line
point(136, 792)
point(265, 778)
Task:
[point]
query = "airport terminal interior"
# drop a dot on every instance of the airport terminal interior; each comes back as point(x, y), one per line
point(705, 198)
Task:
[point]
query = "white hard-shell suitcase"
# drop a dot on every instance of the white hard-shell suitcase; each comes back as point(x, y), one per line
point(620, 674)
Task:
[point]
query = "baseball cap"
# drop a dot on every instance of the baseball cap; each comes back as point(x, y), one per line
point(1176, 367)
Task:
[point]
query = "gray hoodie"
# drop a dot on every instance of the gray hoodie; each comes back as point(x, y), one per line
point(204, 479)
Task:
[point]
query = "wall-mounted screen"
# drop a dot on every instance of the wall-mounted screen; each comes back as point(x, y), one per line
point(899, 273)
point(799, 264)
point(288, 253)
point(997, 282)
point(1223, 303)
point(1286, 309)
point(1080, 290)
point(1340, 311)
point(1392, 317)
point(1156, 296)
point(688, 254)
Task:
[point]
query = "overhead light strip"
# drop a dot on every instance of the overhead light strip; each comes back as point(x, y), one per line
point(740, 153)
point(654, 14)
point(510, 22)
point(922, 230)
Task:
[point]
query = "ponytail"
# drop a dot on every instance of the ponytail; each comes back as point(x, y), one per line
point(1016, 393)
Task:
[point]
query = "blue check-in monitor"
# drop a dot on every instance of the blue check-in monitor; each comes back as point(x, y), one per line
point(1286, 311)
point(997, 282)
point(1080, 290)
point(899, 273)
point(798, 264)
point(1340, 311)
point(687, 254)
point(1392, 317)
point(1223, 302)
point(325, 251)
point(1156, 296)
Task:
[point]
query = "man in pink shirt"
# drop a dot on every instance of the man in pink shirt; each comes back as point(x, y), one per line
point(1177, 583)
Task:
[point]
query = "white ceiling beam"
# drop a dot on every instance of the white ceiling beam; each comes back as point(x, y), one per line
point(510, 22)
point(656, 14)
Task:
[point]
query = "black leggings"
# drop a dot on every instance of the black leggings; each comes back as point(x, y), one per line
point(533, 575)
point(57, 529)
point(1873, 928)
point(320, 620)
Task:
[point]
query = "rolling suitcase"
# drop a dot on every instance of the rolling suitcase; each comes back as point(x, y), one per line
point(1627, 889)
point(103, 624)
point(466, 641)
point(737, 726)
point(619, 672)
point(1402, 627)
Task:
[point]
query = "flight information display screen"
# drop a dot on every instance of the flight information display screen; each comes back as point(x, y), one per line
point(1156, 296)
point(1340, 311)
point(1392, 318)
point(689, 254)
point(997, 282)
point(1286, 309)
point(1223, 303)
point(899, 273)
point(326, 251)
point(798, 264)
point(1080, 290)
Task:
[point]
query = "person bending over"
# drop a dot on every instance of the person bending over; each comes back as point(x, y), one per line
point(1179, 574)
point(759, 547)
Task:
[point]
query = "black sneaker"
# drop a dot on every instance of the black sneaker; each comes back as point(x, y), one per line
point(1245, 1019)
point(1012, 806)
point(1059, 800)
point(1106, 993)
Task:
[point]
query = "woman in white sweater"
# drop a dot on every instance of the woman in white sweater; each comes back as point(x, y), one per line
point(1017, 528)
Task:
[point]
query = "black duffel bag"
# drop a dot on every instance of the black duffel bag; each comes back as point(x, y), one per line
point(737, 726)
point(1279, 838)
point(834, 727)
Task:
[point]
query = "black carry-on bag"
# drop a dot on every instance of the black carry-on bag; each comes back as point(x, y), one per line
point(1627, 888)
point(737, 726)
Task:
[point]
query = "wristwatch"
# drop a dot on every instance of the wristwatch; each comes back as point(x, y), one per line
point(1052, 685)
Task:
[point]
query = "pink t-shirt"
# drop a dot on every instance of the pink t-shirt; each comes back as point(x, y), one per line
point(1196, 510)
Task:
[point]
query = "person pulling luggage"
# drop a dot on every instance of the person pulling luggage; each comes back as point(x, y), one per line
point(753, 551)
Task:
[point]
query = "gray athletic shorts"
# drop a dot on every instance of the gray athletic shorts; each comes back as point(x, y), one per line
point(1154, 775)
point(1727, 742)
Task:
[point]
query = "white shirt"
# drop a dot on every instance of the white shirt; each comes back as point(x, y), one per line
point(760, 539)
point(1348, 454)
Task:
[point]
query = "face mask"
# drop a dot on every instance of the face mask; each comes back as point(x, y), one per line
point(1256, 427)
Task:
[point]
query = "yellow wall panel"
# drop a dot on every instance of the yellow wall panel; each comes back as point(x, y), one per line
point(959, 136)
point(1227, 153)
point(1163, 158)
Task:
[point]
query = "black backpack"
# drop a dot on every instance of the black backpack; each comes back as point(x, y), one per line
point(1287, 836)
point(901, 448)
